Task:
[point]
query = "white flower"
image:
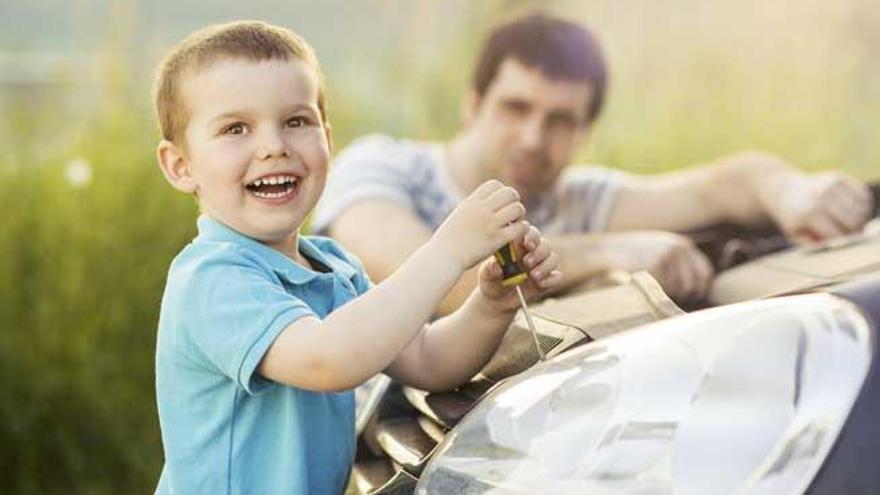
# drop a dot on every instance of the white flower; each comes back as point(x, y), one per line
point(78, 172)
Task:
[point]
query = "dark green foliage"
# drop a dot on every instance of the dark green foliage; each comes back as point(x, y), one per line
point(83, 271)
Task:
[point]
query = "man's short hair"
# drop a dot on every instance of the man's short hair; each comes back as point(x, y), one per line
point(248, 40)
point(560, 49)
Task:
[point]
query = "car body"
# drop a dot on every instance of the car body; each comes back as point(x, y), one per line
point(768, 387)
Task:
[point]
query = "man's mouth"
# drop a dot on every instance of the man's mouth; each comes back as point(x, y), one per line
point(273, 186)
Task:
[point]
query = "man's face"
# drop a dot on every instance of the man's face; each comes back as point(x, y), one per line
point(256, 147)
point(527, 126)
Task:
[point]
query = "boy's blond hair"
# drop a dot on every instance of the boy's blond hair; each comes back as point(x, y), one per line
point(249, 40)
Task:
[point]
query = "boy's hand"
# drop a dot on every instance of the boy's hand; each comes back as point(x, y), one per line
point(486, 220)
point(539, 261)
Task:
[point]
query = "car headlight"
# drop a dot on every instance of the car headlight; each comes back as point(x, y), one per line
point(746, 398)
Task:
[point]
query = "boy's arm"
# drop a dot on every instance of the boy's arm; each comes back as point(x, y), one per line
point(362, 337)
point(382, 234)
point(451, 350)
point(454, 348)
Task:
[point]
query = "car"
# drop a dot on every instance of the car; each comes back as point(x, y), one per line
point(767, 387)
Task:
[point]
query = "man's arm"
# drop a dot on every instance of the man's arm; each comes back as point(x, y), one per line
point(747, 188)
point(382, 234)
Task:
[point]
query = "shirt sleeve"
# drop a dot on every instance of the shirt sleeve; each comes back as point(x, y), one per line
point(374, 167)
point(587, 196)
point(231, 311)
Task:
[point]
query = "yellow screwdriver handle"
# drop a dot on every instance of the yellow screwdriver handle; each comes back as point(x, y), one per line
point(512, 274)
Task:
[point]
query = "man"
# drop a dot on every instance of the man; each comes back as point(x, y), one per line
point(538, 87)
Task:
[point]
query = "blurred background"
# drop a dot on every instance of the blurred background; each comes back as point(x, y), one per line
point(88, 227)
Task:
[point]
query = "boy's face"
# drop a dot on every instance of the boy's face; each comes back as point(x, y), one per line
point(528, 126)
point(256, 150)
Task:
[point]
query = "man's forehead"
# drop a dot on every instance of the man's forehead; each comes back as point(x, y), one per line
point(516, 79)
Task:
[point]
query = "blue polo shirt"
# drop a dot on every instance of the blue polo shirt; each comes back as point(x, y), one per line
point(225, 428)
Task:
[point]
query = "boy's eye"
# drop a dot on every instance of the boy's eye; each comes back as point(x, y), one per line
point(236, 128)
point(296, 122)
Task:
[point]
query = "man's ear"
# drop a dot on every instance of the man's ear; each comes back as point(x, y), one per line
point(175, 167)
point(584, 136)
point(469, 106)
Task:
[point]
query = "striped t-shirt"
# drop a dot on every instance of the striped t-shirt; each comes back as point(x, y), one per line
point(410, 174)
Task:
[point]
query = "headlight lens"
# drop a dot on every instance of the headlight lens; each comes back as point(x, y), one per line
point(741, 399)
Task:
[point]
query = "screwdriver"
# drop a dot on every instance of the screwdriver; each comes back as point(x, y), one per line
point(512, 274)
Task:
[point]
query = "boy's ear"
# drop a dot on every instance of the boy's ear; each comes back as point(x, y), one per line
point(175, 167)
point(328, 131)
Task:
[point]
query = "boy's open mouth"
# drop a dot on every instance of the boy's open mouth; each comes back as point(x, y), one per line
point(272, 187)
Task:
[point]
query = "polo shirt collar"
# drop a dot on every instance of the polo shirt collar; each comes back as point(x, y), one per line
point(213, 230)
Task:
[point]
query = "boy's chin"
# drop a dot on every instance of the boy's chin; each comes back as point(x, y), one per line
point(271, 234)
point(266, 230)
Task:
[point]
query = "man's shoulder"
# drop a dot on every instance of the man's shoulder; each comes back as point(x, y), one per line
point(574, 174)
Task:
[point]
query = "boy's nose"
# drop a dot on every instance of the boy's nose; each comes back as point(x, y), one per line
point(272, 145)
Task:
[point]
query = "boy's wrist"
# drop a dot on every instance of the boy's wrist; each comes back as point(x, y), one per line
point(434, 256)
point(492, 308)
point(441, 254)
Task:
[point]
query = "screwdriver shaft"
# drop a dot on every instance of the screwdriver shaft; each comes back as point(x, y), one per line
point(528, 314)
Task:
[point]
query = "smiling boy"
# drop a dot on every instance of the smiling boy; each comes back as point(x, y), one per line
point(262, 331)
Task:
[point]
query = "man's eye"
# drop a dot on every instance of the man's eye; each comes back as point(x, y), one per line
point(236, 128)
point(562, 122)
point(296, 122)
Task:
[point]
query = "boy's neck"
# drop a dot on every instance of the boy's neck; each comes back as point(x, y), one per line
point(290, 248)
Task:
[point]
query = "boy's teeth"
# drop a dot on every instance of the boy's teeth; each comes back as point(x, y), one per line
point(272, 181)
point(269, 195)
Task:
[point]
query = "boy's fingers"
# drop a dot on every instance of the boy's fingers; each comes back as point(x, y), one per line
point(492, 271)
point(547, 266)
point(532, 239)
point(537, 255)
point(487, 188)
point(510, 213)
point(512, 231)
point(551, 280)
point(501, 197)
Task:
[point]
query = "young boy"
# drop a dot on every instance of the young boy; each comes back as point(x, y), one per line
point(263, 332)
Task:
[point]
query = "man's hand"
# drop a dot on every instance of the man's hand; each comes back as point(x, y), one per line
point(816, 207)
point(486, 220)
point(541, 265)
point(683, 271)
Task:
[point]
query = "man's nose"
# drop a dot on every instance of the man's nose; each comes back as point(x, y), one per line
point(272, 145)
point(532, 133)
